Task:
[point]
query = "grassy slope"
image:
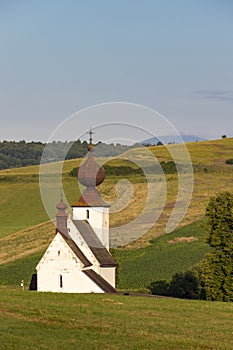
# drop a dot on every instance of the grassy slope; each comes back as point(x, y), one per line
point(160, 260)
point(13, 272)
point(214, 152)
point(66, 321)
point(21, 206)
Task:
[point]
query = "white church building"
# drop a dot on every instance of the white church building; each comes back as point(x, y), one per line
point(78, 259)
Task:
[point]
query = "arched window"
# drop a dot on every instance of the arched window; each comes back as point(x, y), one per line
point(87, 214)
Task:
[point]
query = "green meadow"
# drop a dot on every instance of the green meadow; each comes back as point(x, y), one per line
point(161, 259)
point(25, 230)
point(30, 320)
point(65, 321)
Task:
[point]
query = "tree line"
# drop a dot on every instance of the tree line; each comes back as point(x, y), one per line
point(19, 154)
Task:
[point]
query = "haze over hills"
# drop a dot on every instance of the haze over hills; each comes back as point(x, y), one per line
point(166, 139)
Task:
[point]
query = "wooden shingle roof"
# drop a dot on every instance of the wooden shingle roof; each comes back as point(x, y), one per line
point(103, 256)
point(100, 281)
point(76, 250)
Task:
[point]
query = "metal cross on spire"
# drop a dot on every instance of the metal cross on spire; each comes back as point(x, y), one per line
point(90, 146)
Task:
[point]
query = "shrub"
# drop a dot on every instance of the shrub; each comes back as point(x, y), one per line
point(183, 285)
point(229, 161)
point(159, 288)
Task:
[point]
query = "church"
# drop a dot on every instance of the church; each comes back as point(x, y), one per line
point(78, 259)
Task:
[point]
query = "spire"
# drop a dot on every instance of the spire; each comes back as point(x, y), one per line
point(61, 206)
point(61, 215)
point(90, 146)
point(91, 174)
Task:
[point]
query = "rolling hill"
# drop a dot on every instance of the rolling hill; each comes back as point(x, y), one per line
point(172, 139)
point(25, 230)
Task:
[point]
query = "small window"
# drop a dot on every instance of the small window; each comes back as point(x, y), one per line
point(58, 253)
point(61, 281)
point(88, 214)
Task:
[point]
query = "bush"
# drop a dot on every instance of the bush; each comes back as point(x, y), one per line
point(124, 170)
point(229, 161)
point(183, 285)
point(159, 288)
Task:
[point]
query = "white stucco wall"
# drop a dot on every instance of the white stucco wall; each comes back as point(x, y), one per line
point(109, 274)
point(73, 281)
point(77, 238)
point(98, 219)
point(60, 260)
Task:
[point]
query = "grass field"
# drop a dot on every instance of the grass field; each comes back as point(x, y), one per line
point(165, 256)
point(30, 320)
point(41, 321)
point(24, 229)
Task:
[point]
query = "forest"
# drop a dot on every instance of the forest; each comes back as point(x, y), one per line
point(19, 154)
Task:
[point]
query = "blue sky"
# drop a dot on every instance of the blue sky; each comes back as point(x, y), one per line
point(58, 57)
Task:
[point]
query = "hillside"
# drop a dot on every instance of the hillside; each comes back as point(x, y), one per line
point(24, 229)
point(165, 256)
point(50, 321)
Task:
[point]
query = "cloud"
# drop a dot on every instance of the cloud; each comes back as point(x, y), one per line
point(216, 95)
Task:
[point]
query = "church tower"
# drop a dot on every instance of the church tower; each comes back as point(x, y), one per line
point(90, 206)
point(78, 258)
point(62, 216)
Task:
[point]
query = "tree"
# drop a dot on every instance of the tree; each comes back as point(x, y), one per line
point(224, 136)
point(216, 270)
point(219, 224)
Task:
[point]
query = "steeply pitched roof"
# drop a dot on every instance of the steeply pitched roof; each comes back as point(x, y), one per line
point(101, 253)
point(90, 198)
point(100, 281)
point(76, 250)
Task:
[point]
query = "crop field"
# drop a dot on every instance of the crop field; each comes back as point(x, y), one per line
point(30, 320)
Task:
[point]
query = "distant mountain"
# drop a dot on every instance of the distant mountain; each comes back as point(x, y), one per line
point(172, 139)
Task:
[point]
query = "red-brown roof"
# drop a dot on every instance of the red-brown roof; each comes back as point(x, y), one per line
point(90, 198)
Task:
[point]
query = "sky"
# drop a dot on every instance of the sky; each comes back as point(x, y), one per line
point(59, 57)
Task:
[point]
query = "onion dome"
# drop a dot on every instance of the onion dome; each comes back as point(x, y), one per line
point(61, 206)
point(90, 173)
